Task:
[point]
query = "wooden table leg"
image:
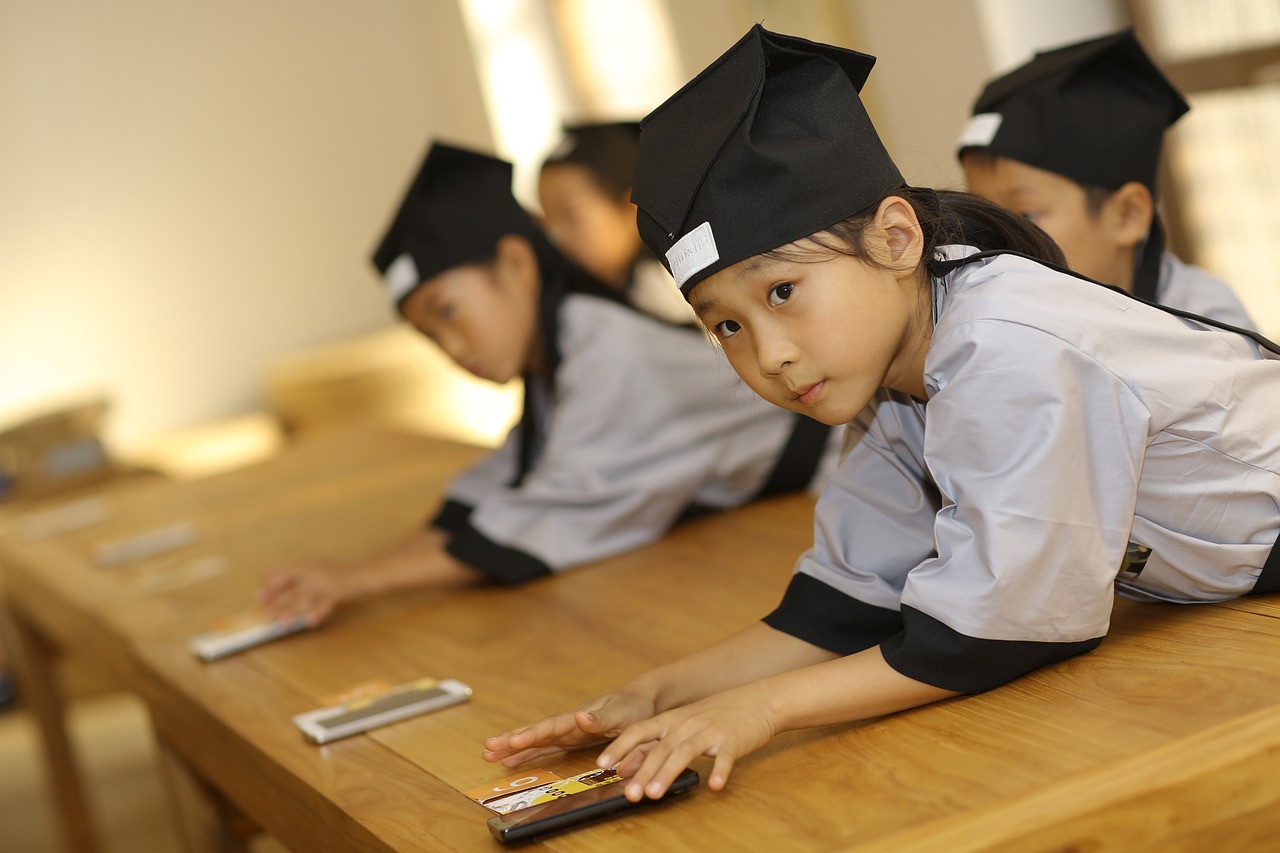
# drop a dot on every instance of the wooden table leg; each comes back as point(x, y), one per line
point(206, 822)
point(35, 657)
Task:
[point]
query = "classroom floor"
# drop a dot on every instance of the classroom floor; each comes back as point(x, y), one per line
point(113, 741)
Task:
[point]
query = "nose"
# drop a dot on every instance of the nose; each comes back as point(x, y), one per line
point(774, 352)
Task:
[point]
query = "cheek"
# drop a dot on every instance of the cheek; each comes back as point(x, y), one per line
point(744, 363)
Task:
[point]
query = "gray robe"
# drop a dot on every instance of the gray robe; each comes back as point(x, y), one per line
point(644, 422)
point(981, 534)
point(1190, 288)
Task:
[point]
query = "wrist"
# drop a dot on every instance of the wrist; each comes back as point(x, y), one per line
point(350, 583)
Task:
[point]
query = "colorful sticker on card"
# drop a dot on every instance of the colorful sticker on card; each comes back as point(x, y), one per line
point(520, 795)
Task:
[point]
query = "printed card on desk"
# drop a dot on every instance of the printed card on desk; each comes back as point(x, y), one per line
point(242, 631)
point(535, 787)
point(372, 708)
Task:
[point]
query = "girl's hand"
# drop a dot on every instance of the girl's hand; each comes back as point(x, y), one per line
point(595, 722)
point(725, 727)
point(311, 588)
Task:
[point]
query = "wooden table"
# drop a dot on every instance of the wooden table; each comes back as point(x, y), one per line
point(1168, 735)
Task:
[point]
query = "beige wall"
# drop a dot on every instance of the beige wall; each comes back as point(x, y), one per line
point(188, 190)
point(917, 110)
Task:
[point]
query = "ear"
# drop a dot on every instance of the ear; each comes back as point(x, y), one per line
point(898, 238)
point(516, 264)
point(1127, 214)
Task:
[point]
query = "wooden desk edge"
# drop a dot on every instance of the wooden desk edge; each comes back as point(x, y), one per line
point(1144, 802)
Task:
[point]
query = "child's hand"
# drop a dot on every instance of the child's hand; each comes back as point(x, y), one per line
point(594, 722)
point(653, 752)
point(311, 588)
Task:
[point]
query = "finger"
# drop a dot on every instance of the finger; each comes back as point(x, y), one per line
point(632, 737)
point(633, 761)
point(277, 581)
point(557, 729)
point(721, 770)
point(319, 613)
point(659, 771)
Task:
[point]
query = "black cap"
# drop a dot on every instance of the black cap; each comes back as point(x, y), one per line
point(454, 213)
point(608, 150)
point(1094, 112)
point(768, 145)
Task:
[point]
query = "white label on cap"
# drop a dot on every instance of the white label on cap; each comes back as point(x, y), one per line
point(980, 130)
point(401, 277)
point(693, 253)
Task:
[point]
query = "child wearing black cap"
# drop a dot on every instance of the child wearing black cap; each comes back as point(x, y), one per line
point(629, 423)
point(585, 190)
point(1071, 140)
point(1028, 456)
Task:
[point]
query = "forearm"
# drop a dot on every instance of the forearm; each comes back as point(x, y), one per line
point(415, 562)
point(843, 690)
point(757, 652)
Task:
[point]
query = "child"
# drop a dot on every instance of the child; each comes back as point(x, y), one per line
point(585, 190)
point(1022, 446)
point(628, 425)
point(1071, 140)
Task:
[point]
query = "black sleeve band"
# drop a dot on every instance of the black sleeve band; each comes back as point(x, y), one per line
point(799, 459)
point(932, 652)
point(1269, 579)
point(824, 616)
point(496, 562)
point(452, 515)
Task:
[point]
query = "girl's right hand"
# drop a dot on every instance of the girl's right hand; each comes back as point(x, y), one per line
point(600, 720)
point(311, 588)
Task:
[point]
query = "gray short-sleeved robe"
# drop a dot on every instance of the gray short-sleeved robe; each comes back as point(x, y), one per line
point(981, 534)
point(644, 422)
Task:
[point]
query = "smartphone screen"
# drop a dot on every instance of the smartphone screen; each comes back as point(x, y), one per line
point(540, 820)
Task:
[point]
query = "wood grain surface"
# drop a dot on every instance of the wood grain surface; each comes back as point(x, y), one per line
point(1168, 734)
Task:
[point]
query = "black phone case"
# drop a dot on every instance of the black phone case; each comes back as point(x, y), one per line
point(506, 829)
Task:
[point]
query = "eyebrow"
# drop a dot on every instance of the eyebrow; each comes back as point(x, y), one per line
point(702, 306)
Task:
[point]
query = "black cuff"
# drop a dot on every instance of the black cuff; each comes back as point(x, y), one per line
point(824, 616)
point(496, 562)
point(932, 652)
point(452, 516)
point(1269, 579)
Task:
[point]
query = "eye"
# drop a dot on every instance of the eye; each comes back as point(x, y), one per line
point(726, 328)
point(780, 293)
point(446, 312)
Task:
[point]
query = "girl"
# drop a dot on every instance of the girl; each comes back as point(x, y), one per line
point(629, 423)
point(585, 190)
point(1072, 140)
point(1027, 454)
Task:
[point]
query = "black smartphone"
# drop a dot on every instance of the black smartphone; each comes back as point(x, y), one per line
point(537, 821)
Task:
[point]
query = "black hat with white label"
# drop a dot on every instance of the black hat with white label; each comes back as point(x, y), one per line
point(455, 211)
point(1094, 112)
point(768, 145)
point(607, 150)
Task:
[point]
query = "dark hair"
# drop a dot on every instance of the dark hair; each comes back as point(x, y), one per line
point(608, 185)
point(946, 218)
point(1095, 197)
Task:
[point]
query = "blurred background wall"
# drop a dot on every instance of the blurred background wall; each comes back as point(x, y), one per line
point(189, 192)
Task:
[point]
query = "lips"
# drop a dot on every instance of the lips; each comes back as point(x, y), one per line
point(809, 393)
